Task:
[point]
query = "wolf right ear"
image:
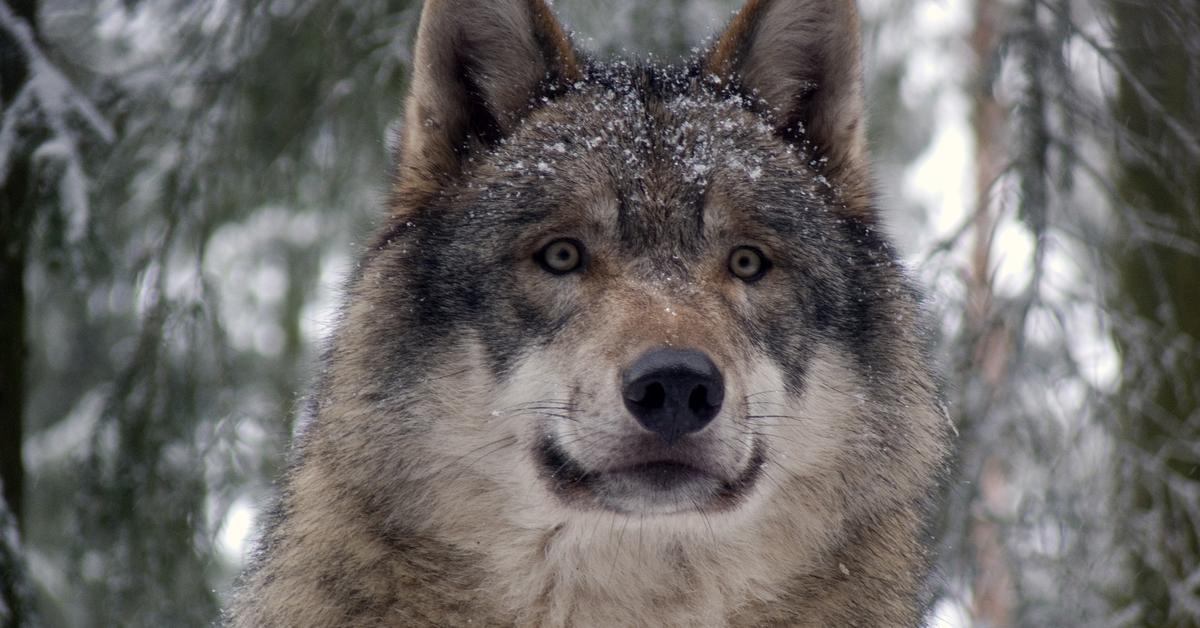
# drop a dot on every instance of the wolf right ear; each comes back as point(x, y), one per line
point(801, 57)
point(479, 67)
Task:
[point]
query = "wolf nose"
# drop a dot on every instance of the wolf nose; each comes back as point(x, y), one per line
point(673, 392)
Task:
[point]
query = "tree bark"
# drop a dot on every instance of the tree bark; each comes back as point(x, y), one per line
point(993, 595)
point(15, 218)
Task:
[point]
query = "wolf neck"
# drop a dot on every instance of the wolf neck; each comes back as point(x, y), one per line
point(605, 569)
point(557, 577)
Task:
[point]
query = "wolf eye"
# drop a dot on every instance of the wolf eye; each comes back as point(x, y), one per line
point(748, 263)
point(561, 256)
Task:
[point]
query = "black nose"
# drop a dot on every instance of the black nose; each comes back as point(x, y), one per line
point(673, 392)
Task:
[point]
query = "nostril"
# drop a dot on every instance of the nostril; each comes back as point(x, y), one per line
point(653, 396)
point(698, 401)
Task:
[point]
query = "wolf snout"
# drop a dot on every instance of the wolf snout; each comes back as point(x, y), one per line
point(673, 392)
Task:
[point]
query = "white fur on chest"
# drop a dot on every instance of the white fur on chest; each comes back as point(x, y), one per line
point(618, 570)
point(605, 569)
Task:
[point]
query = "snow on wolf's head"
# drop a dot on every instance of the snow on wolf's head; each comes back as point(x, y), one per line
point(648, 291)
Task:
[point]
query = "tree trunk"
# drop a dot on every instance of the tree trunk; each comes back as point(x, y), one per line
point(993, 596)
point(15, 218)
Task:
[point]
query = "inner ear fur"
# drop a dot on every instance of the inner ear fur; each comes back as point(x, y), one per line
point(802, 58)
point(478, 68)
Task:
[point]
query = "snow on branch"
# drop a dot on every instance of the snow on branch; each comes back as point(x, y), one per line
point(1187, 137)
point(48, 94)
point(16, 591)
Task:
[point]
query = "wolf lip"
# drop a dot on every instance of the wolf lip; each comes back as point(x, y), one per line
point(667, 480)
point(663, 475)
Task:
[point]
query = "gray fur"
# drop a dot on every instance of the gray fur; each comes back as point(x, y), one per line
point(458, 467)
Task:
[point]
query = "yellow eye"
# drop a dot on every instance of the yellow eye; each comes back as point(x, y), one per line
point(748, 263)
point(561, 256)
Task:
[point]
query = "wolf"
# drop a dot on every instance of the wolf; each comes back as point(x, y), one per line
point(631, 349)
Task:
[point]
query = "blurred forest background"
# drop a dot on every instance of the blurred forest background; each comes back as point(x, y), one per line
point(184, 183)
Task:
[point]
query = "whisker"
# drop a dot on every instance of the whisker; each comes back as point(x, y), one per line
point(769, 476)
point(831, 387)
point(641, 533)
point(732, 446)
point(584, 439)
point(541, 403)
point(712, 535)
point(492, 449)
point(779, 436)
point(786, 471)
point(620, 536)
point(446, 376)
point(766, 392)
point(766, 403)
point(544, 413)
point(577, 437)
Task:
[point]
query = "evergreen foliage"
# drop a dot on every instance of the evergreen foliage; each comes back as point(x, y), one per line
point(183, 185)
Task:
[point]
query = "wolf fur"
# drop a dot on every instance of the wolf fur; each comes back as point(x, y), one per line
point(462, 461)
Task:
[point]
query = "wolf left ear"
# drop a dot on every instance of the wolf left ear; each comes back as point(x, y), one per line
point(479, 67)
point(801, 57)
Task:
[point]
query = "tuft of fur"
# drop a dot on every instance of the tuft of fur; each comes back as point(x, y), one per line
point(453, 467)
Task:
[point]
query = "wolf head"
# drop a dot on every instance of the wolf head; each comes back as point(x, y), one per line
point(644, 291)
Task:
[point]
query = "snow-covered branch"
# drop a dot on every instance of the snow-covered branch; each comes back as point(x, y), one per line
point(48, 96)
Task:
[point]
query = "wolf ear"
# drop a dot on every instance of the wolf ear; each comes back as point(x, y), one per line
point(479, 67)
point(802, 58)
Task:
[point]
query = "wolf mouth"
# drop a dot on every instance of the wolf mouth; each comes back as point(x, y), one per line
point(665, 486)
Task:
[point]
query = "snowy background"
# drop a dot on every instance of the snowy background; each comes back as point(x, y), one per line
point(185, 184)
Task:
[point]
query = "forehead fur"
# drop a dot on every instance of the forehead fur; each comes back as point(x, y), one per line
point(483, 68)
point(652, 148)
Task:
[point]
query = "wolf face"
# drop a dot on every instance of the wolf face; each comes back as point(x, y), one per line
point(643, 295)
point(654, 285)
